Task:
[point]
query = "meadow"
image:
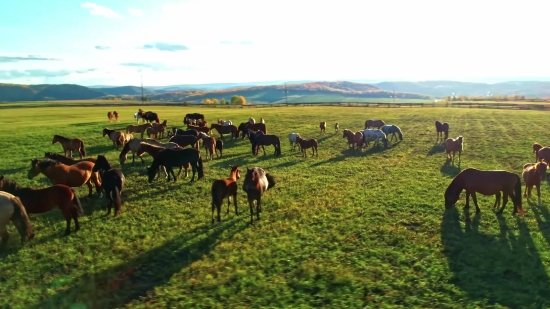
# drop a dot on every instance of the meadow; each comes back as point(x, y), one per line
point(344, 230)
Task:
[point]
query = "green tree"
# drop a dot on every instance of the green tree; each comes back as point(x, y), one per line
point(223, 101)
point(238, 100)
point(215, 101)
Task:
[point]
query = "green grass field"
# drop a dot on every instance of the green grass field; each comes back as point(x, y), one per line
point(344, 230)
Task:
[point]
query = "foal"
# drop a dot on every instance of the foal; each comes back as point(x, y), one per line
point(222, 188)
point(533, 175)
point(305, 144)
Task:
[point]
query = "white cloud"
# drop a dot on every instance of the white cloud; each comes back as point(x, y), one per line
point(135, 12)
point(99, 10)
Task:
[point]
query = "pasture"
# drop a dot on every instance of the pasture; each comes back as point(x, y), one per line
point(341, 230)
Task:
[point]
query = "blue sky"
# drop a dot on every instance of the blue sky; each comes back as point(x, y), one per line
point(209, 41)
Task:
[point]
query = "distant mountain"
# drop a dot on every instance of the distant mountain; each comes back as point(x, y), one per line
point(124, 90)
point(13, 92)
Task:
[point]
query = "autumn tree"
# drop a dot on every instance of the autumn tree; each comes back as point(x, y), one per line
point(215, 101)
point(223, 101)
point(238, 100)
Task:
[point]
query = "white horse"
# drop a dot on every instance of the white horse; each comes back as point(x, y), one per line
point(137, 117)
point(392, 129)
point(374, 134)
point(251, 120)
point(293, 142)
point(227, 123)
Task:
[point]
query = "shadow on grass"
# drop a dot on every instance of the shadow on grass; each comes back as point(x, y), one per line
point(543, 221)
point(449, 169)
point(436, 148)
point(505, 269)
point(93, 151)
point(119, 285)
point(86, 124)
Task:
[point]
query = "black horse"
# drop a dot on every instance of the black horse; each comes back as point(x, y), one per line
point(176, 157)
point(176, 131)
point(112, 182)
point(195, 116)
point(149, 116)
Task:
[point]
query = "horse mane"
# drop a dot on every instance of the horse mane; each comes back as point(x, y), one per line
point(46, 162)
point(60, 137)
point(57, 155)
point(457, 184)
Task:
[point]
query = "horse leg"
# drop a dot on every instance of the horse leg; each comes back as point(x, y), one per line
point(97, 183)
point(251, 205)
point(529, 192)
point(90, 188)
point(235, 203)
point(497, 200)
point(5, 236)
point(264, 150)
point(258, 207)
point(474, 198)
point(109, 202)
point(525, 191)
point(504, 201)
point(179, 173)
point(538, 193)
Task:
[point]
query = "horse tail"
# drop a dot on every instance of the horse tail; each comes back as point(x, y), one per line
point(77, 204)
point(270, 181)
point(116, 200)
point(517, 193)
point(217, 198)
point(82, 149)
point(200, 168)
point(20, 214)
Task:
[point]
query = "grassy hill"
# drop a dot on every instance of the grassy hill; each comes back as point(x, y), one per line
point(124, 90)
point(14, 92)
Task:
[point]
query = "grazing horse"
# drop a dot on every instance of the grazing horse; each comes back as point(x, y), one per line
point(116, 115)
point(336, 127)
point(74, 176)
point(225, 129)
point(392, 129)
point(256, 182)
point(487, 183)
point(376, 135)
point(137, 117)
point(133, 146)
point(156, 128)
point(198, 129)
point(354, 138)
point(185, 140)
point(323, 126)
point(110, 116)
point(112, 182)
point(117, 137)
point(305, 144)
point(70, 144)
point(442, 128)
point(453, 145)
point(149, 116)
point(251, 120)
point(222, 188)
point(533, 175)
point(177, 157)
point(209, 145)
point(293, 142)
point(12, 209)
point(153, 150)
point(37, 201)
point(138, 128)
point(266, 140)
point(374, 123)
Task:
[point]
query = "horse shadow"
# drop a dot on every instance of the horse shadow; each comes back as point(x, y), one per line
point(503, 269)
point(543, 221)
point(436, 148)
point(450, 169)
point(332, 160)
point(375, 150)
point(86, 124)
point(131, 280)
point(93, 151)
point(286, 164)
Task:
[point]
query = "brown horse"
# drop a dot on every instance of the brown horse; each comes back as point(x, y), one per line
point(12, 209)
point(230, 129)
point(305, 144)
point(266, 140)
point(199, 129)
point(536, 148)
point(117, 137)
point(533, 175)
point(209, 145)
point(374, 123)
point(153, 151)
point(354, 138)
point(37, 201)
point(544, 154)
point(487, 183)
point(156, 129)
point(149, 116)
point(257, 127)
point(138, 128)
point(256, 182)
point(116, 115)
point(185, 140)
point(323, 126)
point(112, 183)
point(222, 188)
point(336, 127)
point(442, 128)
point(453, 145)
point(110, 116)
point(70, 144)
point(73, 176)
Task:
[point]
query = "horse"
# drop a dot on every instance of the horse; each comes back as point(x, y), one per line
point(193, 116)
point(117, 117)
point(292, 138)
point(176, 131)
point(177, 157)
point(323, 126)
point(225, 129)
point(374, 134)
point(149, 116)
point(251, 120)
point(74, 175)
point(37, 201)
point(222, 188)
point(12, 209)
point(305, 144)
point(533, 175)
point(70, 144)
point(266, 140)
point(153, 150)
point(219, 147)
point(199, 129)
point(336, 127)
point(392, 129)
point(256, 182)
point(156, 128)
point(453, 145)
point(137, 117)
point(544, 154)
point(209, 145)
point(242, 128)
point(374, 123)
point(110, 116)
point(112, 182)
point(442, 128)
point(354, 138)
point(257, 127)
point(117, 137)
point(138, 128)
point(185, 140)
point(487, 183)
point(536, 148)
point(66, 160)
point(223, 123)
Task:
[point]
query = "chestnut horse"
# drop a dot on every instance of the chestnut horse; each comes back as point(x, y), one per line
point(336, 127)
point(225, 129)
point(256, 182)
point(374, 123)
point(354, 138)
point(116, 115)
point(118, 138)
point(442, 128)
point(222, 188)
point(12, 209)
point(138, 128)
point(323, 126)
point(70, 144)
point(209, 144)
point(305, 144)
point(73, 176)
point(153, 150)
point(533, 175)
point(453, 145)
point(487, 183)
point(37, 201)
point(110, 116)
point(112, 182)
point(157, 128)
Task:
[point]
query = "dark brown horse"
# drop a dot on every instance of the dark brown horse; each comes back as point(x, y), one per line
point(257, 127)
point(185, 140)
point(198, 129)
point(486, 183)
point(256, 182)
point(37, 201)
point(112, 182)
point(193, 116)
point(533, 175)
point(454, 145)
point(442, 128)
point(149, 116)
point(222, 188)
point(70, 144)
point(175, 158)
point(154, 150)
point(230, 129)
point(116, 115)
point(242, 129)
point(266, 140)
point(536, 148)
point(374, 124)
point(305, 144)
point(110, 116)
point(544, 154)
